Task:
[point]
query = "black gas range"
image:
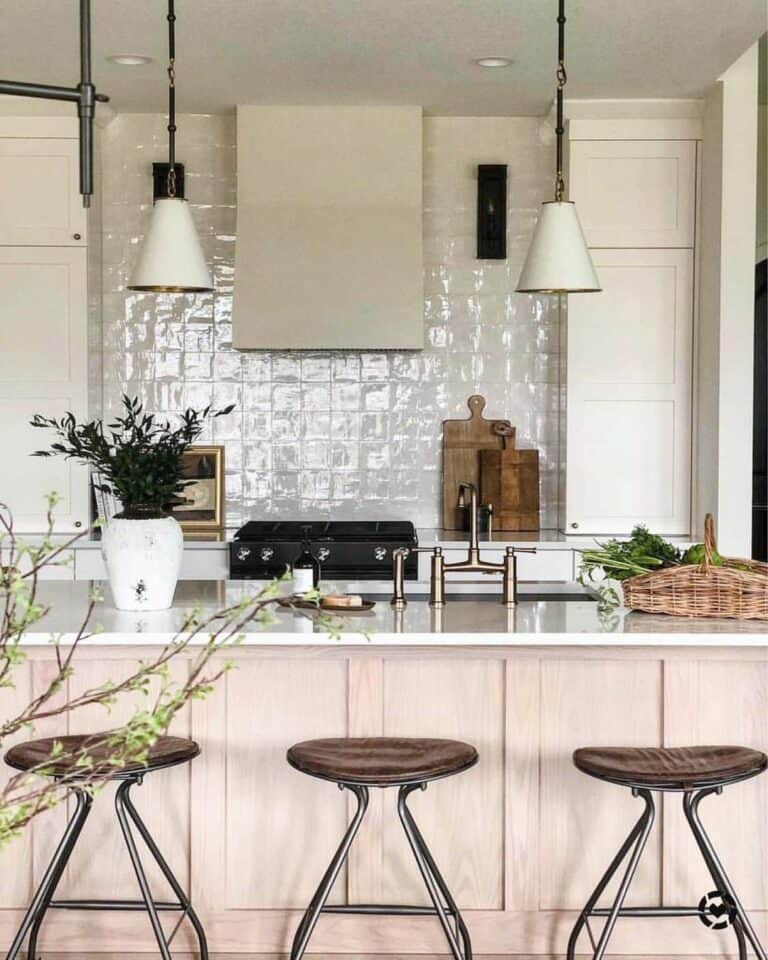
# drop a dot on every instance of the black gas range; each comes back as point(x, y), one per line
point(346, 549)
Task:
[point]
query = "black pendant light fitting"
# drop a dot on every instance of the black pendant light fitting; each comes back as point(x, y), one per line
point(84, 95)
point(562, 79)
point(168, 178)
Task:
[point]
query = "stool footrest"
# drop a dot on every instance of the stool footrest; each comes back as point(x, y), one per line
point(111, 905)
point(652, 912)
point(383, 910)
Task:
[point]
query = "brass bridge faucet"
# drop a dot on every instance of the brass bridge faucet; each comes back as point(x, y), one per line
point(473, 563)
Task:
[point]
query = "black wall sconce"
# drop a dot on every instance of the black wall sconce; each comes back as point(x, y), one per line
point(492, 211)
point(160, 180)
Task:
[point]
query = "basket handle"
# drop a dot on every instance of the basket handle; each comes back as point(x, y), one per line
point(710, 545)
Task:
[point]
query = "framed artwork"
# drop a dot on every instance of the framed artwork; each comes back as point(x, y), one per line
point(201, 504)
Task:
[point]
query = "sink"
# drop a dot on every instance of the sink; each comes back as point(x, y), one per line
point(560, 597)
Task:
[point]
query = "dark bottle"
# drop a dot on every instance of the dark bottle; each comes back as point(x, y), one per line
point(306, 569)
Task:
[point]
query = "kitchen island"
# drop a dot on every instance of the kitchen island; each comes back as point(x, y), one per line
point(521, 838)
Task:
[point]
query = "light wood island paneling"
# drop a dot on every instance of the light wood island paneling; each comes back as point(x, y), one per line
point(522, 838)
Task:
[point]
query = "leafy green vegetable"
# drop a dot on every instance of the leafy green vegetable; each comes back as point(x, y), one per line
point(620, 559)
point(695, 555)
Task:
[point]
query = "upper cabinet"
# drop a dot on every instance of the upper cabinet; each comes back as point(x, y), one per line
point(43, 369)
point(635, 193)
point(329, 228)
point(44, 310)
point(39, 199)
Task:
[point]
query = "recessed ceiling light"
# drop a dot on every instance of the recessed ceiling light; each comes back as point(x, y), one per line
point(494, 62)
point(129, 59)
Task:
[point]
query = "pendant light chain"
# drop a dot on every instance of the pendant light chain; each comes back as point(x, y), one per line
point(562, 79)
point(171, 99)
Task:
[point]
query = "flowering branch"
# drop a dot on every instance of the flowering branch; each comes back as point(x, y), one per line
point(91, 764)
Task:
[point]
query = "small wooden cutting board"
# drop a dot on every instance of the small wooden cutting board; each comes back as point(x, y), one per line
point(462, 442)
point(509, 481)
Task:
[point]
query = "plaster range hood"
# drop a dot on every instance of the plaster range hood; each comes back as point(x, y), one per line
point(329, 231)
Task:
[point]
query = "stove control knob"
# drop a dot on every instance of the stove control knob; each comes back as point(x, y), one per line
point(323, 553)
point(243, 553)
point(267, 553)
point(380, 553)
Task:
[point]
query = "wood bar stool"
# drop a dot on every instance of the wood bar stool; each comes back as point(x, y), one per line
point(356, 764)
point(166, 752)
point(696, 773)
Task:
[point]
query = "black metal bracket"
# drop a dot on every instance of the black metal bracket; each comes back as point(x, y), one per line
point(160, 180)
point(84, 95)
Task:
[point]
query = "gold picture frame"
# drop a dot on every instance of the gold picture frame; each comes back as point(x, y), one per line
point(202, 506)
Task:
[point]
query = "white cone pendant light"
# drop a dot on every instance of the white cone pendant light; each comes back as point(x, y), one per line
point(558, 258)
point(171, 259)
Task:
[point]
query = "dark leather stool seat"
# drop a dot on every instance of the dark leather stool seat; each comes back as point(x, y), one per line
point(682, 768)
point(381, 761)
point(165, 752)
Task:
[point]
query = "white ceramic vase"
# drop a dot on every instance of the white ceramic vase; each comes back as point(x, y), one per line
point(143, 559)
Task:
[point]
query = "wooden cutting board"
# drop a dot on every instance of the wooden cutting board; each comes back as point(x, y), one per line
point(509, 481)
point(462, 442)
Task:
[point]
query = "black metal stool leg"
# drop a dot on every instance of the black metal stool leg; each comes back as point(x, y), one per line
point(637, 838)
point(691, 807)
point(448, 896)
point(605, 880)
point(146, 893)
point(430, 874)
point(37, 909)
point(182, 897)
point(310, 918)
point(737, 928)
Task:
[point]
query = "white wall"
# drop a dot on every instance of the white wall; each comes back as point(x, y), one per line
point(726, 311)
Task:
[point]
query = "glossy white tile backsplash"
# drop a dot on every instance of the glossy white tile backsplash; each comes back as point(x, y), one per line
point(343, 435)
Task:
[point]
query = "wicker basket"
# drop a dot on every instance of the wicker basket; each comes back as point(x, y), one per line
point(739, 589)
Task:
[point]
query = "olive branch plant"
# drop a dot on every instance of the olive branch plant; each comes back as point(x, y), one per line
point(202, 638)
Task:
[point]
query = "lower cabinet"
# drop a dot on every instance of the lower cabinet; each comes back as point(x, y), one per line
point(522, 838)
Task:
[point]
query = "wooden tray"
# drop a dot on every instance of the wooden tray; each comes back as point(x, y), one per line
point(367, 605)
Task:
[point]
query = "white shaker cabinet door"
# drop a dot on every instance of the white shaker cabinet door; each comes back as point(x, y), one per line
point(43, 369)
point(40, 197)
point(634, 193)
point(629, 395)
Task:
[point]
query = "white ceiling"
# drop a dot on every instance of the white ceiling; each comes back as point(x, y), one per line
point(384, 51)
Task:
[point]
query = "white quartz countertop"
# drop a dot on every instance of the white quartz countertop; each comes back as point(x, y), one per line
point(462, 622)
